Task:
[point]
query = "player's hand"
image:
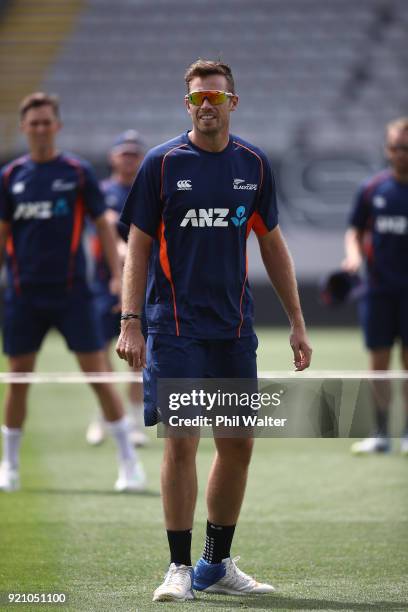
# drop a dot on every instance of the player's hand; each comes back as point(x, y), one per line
point(302, 351)
point(115, 288)
point(352, 264)
point(131, 344)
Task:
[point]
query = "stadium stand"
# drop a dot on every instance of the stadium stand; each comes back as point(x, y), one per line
point(31, 34)
point(317, 80)
point(305, 68)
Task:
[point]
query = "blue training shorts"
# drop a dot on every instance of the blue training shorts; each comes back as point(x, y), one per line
point(171, 356)
point(29, 316)
point(110, 321)
point(384, 318)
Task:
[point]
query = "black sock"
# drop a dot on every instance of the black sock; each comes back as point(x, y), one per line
point(218, 542)
point(180, 546)
point(381, 418)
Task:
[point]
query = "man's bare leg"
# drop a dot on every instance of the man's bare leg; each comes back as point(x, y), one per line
point(179, 492)
point(14, 416)
point(179, 482)
point(404, 439)
point(379, 360)
point(227, 479)
point(216, 572)
point(225, 493)
point(135, 411)
point(109, 399)
point(131, 474)
point(16, 398)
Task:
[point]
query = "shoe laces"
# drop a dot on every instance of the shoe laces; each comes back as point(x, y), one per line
point(178, 575)
point(235, 575)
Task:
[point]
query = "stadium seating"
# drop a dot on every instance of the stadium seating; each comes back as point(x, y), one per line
point(317, 81)
point(326, 65)
point(306, 69)
point(30, 37)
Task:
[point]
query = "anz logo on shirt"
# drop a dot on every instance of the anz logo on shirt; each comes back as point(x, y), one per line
point(391, 225)
point(213, 217)
point(41, 210)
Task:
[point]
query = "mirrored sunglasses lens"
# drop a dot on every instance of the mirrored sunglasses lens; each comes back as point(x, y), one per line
point(214, 97)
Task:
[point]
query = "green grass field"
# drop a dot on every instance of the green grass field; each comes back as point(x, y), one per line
point(329, 530)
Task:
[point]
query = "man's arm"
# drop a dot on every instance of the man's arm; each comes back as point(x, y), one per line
point(113, 217)
point(108, 243)
point(131, 345)
point(280, 269)
point(4, 233)
point(353, 247)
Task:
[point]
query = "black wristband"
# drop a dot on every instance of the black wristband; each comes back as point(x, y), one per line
point(125, 316)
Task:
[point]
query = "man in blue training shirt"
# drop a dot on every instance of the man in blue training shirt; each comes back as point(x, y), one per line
point(378, 235)
point(44, 197)
point(190, 210)
point(125, 157)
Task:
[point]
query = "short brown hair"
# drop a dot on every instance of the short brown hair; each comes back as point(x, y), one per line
point(205, 67)
point(37, 99)
point(398, 125)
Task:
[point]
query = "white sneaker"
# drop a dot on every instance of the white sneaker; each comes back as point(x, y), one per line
point(131, 477)
point(226, 578)
point(378, 444)
point(404, 445)
point(96, 433)
point(177, 585)
point(9, 478)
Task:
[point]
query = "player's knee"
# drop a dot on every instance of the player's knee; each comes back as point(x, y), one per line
point(21, 363)
point(180, 450)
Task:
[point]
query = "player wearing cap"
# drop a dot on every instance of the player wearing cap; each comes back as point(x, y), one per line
point(191, 208)
point(378, 236)
point(125, 158)
point(44, 197)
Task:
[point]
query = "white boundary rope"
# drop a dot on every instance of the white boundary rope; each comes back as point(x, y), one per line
point(70, 377)
point(127, 377)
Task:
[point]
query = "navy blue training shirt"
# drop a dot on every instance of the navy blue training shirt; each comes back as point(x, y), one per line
point(45, 204)
point(115, 196)
point(200, 208)
point(381, 212)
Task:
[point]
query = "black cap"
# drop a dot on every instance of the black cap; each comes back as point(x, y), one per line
point(339, 287)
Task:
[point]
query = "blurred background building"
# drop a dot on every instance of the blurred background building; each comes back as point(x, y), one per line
point(317, 80)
